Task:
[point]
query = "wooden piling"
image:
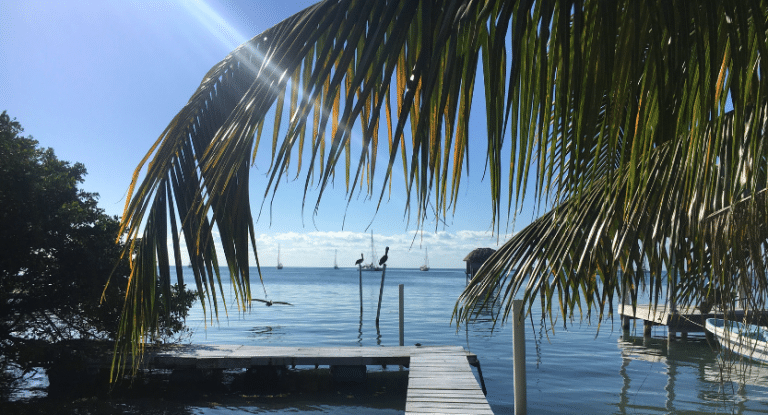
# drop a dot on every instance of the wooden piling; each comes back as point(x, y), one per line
point(647, 326)
point(625, 323)
point(381, 292)
point(360, 271)
point(402, 315)
point(518, 358)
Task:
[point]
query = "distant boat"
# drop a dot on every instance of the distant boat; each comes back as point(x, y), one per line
point(748, 340)
point(335, 264)
point(279, 264)
point(425, 267)
point(372, 266)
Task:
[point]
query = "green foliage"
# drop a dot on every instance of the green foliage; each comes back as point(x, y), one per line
point(57, 251)
point(618, 109)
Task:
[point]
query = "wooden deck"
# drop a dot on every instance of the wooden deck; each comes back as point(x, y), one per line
point(443, 383)
point(440, 379)
point(684, 320)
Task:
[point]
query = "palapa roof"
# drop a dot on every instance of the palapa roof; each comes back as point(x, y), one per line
point(479, 255)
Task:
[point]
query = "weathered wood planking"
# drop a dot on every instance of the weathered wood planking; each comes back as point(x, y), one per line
point(440, 379)
point(443, 384)
point(238, 356)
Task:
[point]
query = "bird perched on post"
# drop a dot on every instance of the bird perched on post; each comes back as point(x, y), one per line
point(359, 261)
point(385, 257)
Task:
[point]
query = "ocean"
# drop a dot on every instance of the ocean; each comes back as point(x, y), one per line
point(570, 370)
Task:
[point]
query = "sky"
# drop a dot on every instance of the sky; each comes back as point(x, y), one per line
point(98, 81)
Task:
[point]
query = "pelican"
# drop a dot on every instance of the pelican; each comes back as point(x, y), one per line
point(359, 261)
point(385, 257)
point(270, 303)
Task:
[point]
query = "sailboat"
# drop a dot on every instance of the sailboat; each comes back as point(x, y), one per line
point(372, 266)
point(335, 264)
point(279, 264)
point(425, 267)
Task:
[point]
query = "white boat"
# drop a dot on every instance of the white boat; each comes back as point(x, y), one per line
point(747, 340)
point(279, 264)
point(425, 267)
point(373, 266)
point(335, 264)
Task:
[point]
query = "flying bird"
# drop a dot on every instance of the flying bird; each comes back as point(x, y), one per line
point(385, 257)
point(359, 261)
point(270, 303)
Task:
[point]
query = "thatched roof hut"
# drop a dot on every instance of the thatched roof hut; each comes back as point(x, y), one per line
point(476, 258)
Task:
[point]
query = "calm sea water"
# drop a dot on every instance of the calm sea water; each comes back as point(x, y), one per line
point(569, 371)
point(573, 370)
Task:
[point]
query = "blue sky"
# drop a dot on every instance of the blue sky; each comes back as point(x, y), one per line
point(99, 81)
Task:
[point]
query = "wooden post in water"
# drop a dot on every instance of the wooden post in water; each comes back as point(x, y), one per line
point(360, 270)
point(647, 328)
point(381, 292)
point(402, 315)
point(518, 358)
point(671, 295)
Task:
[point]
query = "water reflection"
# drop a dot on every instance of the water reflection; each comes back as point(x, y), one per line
point(692, 371)
point(539, 337)
point(483, 322)
point(267, 334)
point(360, 330)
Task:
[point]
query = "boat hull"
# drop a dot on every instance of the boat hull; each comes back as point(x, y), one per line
point(746, 340)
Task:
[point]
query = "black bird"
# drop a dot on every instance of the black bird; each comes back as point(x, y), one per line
point(385, 257)
point(359, 261)
point(270, 303)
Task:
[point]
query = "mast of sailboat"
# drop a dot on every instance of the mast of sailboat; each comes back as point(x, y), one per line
point(335, 255)
point(373, 253)
point(425, 267)
point(279, 264)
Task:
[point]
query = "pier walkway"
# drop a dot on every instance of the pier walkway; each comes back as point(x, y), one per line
point(440, 379)
point(443, 383)
point(683, 320)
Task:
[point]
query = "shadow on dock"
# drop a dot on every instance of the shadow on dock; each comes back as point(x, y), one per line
point(257, 390)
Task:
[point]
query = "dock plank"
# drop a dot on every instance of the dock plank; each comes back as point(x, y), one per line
point(228, 357)
point(683, 319)
point(443, 384)
point(440, 378)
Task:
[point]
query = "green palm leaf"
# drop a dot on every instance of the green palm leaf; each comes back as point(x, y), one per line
point(618, 108)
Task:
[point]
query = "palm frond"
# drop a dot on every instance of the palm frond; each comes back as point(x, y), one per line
point(605, 248)
point(592, 97)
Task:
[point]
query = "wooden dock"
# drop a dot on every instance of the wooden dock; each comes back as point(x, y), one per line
point(440, 379)
point(684, 320)
point(443, 383)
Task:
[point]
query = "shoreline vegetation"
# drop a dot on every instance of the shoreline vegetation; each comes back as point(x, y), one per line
point(62, 278)
point(635, 128)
